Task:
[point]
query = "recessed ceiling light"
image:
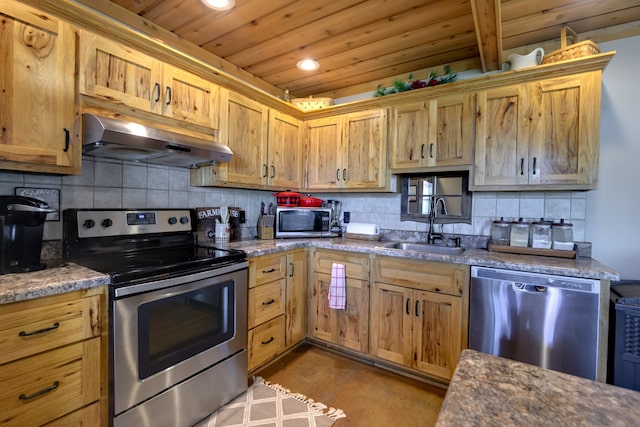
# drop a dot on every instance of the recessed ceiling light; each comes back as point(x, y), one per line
point(220, 4)
point(308, 64)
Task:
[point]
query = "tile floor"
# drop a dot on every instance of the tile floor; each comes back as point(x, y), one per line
point(370, 396)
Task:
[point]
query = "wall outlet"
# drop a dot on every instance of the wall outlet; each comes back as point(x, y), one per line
point(242, 217)
point(347, 217)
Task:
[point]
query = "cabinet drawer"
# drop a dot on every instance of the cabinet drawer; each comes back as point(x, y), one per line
point(266, 341)
point(41, 388)
point(356, 266)
point(266, 302)
point(86, 417)
point(267, 268)
point(422, 275)
point(31, 327)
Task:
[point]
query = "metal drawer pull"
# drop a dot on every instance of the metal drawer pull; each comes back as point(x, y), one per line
point(268, 271)
point(39, 331)
point(39, 393)
point(67, 139)
point(267, 341)
point(269, 301)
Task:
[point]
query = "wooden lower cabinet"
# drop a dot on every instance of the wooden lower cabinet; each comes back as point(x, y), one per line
point(348, 328)
point(53, 360)
point(276, 304)
point(413, 323)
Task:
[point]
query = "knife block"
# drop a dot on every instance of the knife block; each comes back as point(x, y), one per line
point(265, 227)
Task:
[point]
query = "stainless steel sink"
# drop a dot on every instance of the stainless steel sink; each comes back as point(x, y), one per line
point(424, 247)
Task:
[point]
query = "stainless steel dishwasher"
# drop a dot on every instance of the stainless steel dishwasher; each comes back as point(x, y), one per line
point(548, 321)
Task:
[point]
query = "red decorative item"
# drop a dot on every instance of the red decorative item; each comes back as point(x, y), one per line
point(310, 202)
point(287, 198)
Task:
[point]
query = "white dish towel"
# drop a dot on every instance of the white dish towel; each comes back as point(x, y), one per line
point(337, 287)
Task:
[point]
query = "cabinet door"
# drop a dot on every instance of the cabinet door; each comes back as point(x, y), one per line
point(246, 135)
point(365, 150)
point(502, 137)
point(436, 333)
point(565, 130)
point(450, 130)
point(409, 136)
point(37, 83)
point(391, 317)
point(353, 321)
point(324, 320)
point(189, 98)
point(285, 151)
point(296, 307)
point(118, 74)
point(323, 142)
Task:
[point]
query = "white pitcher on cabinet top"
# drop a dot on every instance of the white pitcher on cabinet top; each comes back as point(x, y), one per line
point(532, 59)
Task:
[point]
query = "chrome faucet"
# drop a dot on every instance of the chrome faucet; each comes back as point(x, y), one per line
point(431, 235)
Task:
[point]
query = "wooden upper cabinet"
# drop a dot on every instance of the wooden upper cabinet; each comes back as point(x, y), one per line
point(537, 136)
point(433, 133)
point(347, 152)
point(323, 144)
point(246, 135)
point(38, 114)
point(121, 75)
point(284, 154)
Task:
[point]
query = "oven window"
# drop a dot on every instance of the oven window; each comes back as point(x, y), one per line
point(173, 329)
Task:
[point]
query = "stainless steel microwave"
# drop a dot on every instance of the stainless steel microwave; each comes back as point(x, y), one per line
point(299, 222)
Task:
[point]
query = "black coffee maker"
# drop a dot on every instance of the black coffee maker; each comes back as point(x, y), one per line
point(22, 225)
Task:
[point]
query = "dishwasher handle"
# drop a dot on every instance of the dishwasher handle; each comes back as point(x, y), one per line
point(528, 288)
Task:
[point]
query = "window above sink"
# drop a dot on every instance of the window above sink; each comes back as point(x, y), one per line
point(444, 193)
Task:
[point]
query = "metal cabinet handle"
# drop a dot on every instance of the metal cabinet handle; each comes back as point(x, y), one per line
point(292, 265)
point(337, 174)
point(431, 150)
point(67, 139)
point(406, 306)
point(422, 151)
point(267, 341)
point(156, 87)
point(273, 171)
point(269, 301)
point(344, 174)
point(40, 392)
point(264, 165)
point(417, 305)
point(269, 271)
point(39, 331)
point(522, 166)
point(534, 165)
point(168, 97)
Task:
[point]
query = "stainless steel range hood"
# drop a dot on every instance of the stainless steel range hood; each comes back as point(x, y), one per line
point(122, 140)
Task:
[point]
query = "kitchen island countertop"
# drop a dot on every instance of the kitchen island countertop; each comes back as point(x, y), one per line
point(493, 391)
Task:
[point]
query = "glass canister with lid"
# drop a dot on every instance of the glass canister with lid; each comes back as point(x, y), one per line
point(519, 235)
point(541, 234)
point(562, 235)
point(500, 232)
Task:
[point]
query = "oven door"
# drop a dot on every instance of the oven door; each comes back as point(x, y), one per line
point(166, 331)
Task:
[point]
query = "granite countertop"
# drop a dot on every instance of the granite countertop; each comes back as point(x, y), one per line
point(579, 267)
point(492, 391)
point(62, 276)
point(57, 278)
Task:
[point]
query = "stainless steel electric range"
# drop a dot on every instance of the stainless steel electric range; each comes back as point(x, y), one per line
point(178, 313)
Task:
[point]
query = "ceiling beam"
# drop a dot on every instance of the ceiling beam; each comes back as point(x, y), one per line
point(488, 23)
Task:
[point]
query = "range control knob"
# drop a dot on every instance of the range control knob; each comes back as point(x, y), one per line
point(184, 220)
point(89, 223)
point(106, 223)
point(173, 220)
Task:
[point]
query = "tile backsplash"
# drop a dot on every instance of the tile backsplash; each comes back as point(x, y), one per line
point(115, 184)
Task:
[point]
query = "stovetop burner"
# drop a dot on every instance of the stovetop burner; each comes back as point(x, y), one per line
point(135, 245)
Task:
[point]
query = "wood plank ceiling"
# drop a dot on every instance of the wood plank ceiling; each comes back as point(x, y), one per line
point(361, 44)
